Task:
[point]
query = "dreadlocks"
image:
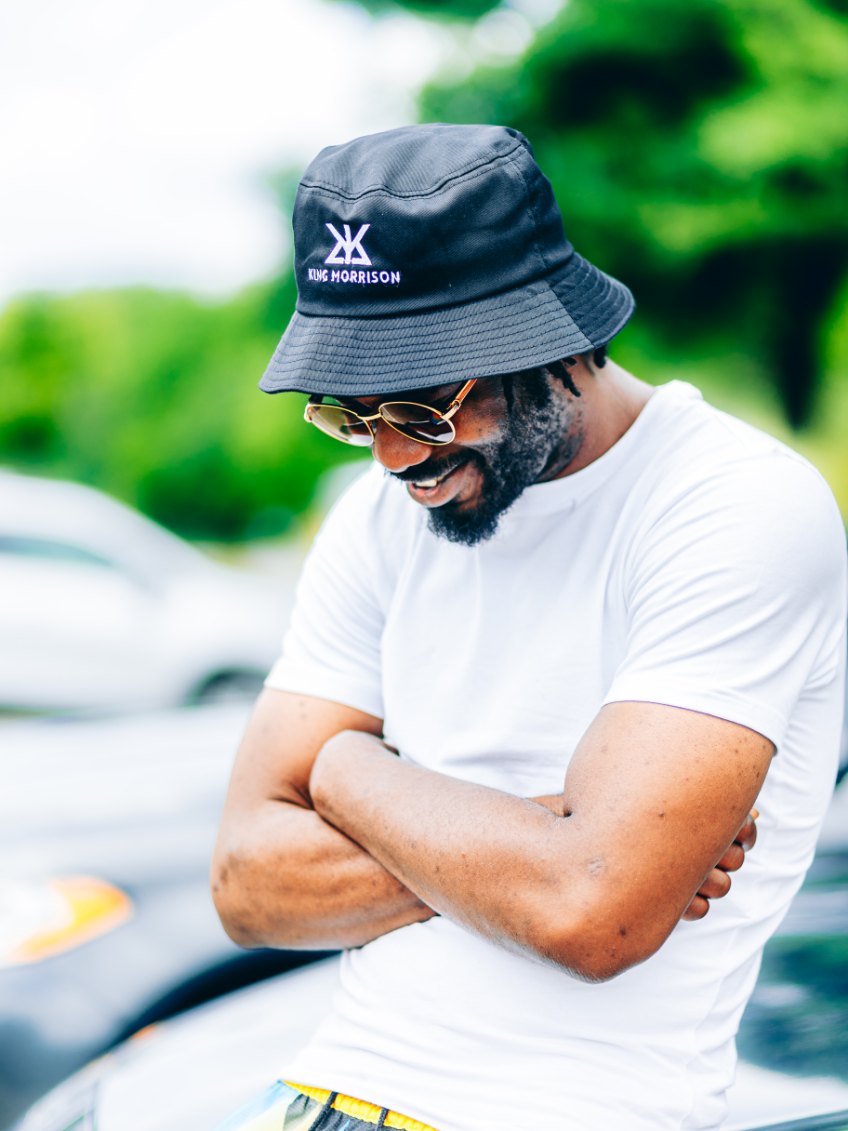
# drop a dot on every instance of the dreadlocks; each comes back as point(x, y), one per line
point(594, 359)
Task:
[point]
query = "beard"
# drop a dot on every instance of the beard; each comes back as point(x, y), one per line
point(538, 427)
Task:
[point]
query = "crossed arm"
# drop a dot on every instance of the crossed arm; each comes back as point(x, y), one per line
point(328, 839)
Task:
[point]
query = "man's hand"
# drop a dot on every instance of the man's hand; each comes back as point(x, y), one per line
point(716, 883)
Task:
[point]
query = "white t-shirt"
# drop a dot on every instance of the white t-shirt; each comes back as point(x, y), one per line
point(697, 563)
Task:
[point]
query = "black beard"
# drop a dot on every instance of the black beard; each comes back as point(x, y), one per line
point(535, 435)
point(502, 481)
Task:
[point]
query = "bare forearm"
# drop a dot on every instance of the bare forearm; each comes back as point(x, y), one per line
point(281, 876)
point(471, 857)
point(595, 891)
point(289, 879)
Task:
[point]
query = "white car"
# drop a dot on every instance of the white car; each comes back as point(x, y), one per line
point(198, 1069)
point(100, 608)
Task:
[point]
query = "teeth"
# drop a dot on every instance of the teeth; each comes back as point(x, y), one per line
point(426, 484)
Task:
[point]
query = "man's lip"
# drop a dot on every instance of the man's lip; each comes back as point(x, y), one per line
point(424, 473)
point(441, 492)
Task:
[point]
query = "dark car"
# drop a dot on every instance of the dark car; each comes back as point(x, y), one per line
point(193, 1071)
point(106, 829)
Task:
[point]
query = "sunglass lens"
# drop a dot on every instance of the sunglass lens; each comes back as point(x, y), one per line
point(340, 424)
point(418, 422)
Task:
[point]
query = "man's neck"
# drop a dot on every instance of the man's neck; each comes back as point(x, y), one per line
point(610, 401)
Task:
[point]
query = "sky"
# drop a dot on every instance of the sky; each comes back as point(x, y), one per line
point(136, 137)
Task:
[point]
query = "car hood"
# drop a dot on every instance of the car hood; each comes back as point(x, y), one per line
point(201, 1067)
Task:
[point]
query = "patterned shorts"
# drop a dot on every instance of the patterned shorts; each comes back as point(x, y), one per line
point(293, 1107)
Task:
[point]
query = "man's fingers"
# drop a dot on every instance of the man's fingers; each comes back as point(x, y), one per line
point(733, 859)
point(716, 885)
point(697, 909)
point(746, 838)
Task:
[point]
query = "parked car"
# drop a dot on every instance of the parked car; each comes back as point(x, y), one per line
point(193, 1071)
point(106, 925)
point(100, 608)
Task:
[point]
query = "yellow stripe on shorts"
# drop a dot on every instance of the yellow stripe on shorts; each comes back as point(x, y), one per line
point(360, 1109)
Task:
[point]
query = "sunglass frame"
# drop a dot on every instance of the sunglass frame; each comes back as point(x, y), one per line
point(312, 405)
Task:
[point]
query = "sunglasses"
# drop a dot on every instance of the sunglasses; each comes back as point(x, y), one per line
point(419, 422)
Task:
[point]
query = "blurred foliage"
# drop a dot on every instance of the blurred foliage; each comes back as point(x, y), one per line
point(700, 152)
point(450, 9)
point(152, 396)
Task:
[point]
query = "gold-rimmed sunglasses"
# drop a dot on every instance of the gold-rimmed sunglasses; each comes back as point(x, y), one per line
point(420, 422)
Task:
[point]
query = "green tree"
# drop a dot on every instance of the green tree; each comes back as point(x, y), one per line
point(152, 397)
point(700, 152)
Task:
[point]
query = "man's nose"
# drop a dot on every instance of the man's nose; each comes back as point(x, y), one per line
point(396, 452)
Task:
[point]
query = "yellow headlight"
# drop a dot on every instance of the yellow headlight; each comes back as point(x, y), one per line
point(56, 915)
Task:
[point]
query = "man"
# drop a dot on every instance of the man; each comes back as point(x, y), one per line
point(566, 575)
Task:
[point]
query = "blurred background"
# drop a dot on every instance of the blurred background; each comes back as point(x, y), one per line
point(150, 153)
point(154, 506)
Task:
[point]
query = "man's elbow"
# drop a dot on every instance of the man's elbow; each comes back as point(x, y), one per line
point(236, 912)
point(593, 959)
point(597, 945)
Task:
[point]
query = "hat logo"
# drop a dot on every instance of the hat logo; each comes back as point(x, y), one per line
point(348, 244)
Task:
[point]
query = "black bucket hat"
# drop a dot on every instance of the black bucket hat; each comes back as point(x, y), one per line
point(431, 254)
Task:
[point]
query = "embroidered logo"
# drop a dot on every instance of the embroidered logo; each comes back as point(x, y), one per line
point(349, 251)
point(348, 244)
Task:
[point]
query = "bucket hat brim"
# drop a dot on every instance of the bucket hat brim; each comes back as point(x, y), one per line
point(573, 310)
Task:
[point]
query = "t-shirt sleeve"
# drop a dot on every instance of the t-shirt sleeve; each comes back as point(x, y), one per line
point(332, 647)
point(736, 597)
